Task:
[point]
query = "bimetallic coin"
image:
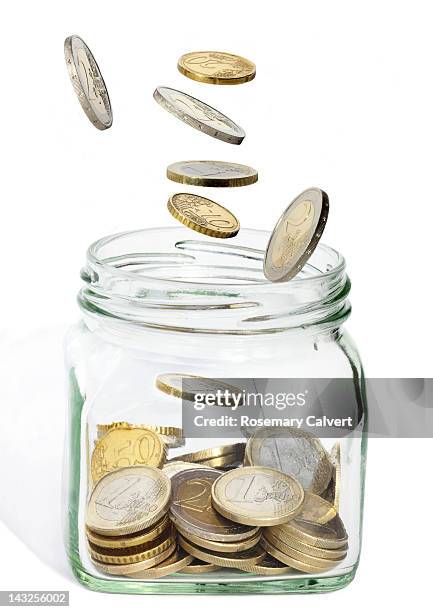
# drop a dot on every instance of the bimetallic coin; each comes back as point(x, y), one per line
point(211, 173)
point(177, 562)
point(268, 566)
point(88, 83)
point(129, 568)
point(314, 551)
point(294, 452)
point(199, 115)
point(171, 436)
point(324, 564)
point(127, 447)
point(234, 560)
point(174, 467)
point(203, 215)
point(231, 451)
point(293, 563)
point(330, 536)
point(296, 235)
point(216, 67)
point(135, 554)
point(315, 509)
point(257, 496)
point(221, 546)
point(191, 508)
point(199, 567)
point(128, 500)
point(188, 386)
point(135, 539)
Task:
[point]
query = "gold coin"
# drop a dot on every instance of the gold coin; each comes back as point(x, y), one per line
point(211, 173)
point(239, 559)
point(231, 451)
point(188, 386)
point(135, 554)
point(257, 496)
point(199, 567)
point(330, 536)
point(216, 67)
point(125, 447)
point(135, 539)
point(324, 564)
point(268, 566)
point(293, 451)
point(315, 509)
point(220, 546)
point(203, 215)
point(293, 563)
point(314, 551)
point(171, 436)
point(177, 562)
point(224, 461)
point(128, 500)
point(124, 570)
point(296, 235)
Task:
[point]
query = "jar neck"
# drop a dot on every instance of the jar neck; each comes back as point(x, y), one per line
point(162, 280)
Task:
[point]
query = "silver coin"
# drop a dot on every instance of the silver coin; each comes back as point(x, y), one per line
point(173, 468)
point(199, 115)
point(294, 452)
point(296, 235)
point(88, 83)
point(211, 173)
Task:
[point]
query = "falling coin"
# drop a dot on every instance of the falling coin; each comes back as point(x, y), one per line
point(88, 83)
point(296, 235)
point(216, 67)
point(187, 386)
point(199, 115)
point(212, 173)
point(203, 215)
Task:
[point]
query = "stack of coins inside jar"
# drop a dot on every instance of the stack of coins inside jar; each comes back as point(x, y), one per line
point(267, 506)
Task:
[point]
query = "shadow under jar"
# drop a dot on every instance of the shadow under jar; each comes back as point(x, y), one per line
point(161, 301)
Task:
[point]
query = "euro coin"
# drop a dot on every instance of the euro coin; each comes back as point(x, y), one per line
point(324, 564)
point(127, 447)
point(257, 496)
point(135, 554)
point(314, 551)
point(171, 436)
point(294, 452)
point(330, 536)
point(199, 567)
point(134, 539)
point(128, 500)
point(296, 235)
point(191, 508)
point(129, 568)
point(88, 83)
point(188, 386)
point(233, 560)
point(221, 546)
point(231, 451)
point(293, 563)
point(203, 215)
point(177, 562)
point(315, 509)
point(268, 566)
point(211, 173)
point(199, 115)
point(216, 67)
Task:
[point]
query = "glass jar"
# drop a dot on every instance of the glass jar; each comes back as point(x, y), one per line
point(161, 300)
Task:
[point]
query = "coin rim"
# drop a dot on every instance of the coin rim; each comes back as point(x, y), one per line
point(122, 570)
point(130, 539)
point(185, 179)
point(202, 78)
point(171, 568)
point(216, 546)
point(202, 554)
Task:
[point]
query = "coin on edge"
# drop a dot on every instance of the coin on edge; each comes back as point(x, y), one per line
point(88, 83)
point(199, 115)
point(187, 386)
point(234, 560)
point(197, 566)
point(128, 500)
point(216, 67)
point(296, 235)
point(232, 451)
point(127, 447)
point(203, 215)
point(177, 562)
point(212, 173)
point(191, 508)
point(294, 452)
point(257, 496)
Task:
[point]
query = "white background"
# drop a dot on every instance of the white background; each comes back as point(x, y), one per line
point(343, 100)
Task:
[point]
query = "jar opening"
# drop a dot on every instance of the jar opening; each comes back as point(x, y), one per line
point(166, 278)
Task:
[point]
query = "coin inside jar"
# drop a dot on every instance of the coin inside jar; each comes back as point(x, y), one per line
point(191, 508)
point(234, 560)
point(257, 496)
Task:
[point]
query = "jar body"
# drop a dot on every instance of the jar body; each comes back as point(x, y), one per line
point(112, 375)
